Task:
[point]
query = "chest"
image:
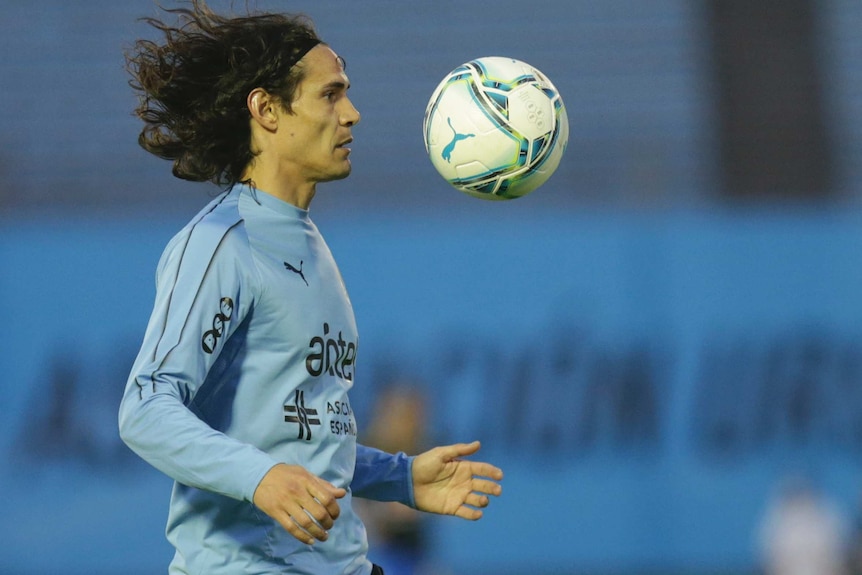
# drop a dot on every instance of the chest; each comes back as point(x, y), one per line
point(304, 306)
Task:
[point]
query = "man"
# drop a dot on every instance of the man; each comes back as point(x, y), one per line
point(240, 389)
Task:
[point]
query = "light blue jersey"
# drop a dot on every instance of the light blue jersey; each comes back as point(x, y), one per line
point(246, 363)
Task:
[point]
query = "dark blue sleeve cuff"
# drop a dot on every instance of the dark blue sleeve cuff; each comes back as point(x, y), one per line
point(383, 476)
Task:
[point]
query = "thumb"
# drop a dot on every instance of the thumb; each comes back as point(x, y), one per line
point(451, 452)
point(336, 492)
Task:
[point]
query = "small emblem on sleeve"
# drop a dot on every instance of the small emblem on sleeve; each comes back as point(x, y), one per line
point(211, 337)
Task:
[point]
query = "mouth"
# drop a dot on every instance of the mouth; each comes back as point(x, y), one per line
point(343, 145)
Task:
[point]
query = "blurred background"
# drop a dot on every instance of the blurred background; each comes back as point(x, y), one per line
point(662, 346)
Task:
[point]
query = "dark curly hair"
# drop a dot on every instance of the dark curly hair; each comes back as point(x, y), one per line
point(193, 86)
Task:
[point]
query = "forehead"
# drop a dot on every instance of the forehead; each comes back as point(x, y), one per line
point(322, 65)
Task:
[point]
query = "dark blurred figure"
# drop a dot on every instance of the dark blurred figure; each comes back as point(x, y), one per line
point(398, 533)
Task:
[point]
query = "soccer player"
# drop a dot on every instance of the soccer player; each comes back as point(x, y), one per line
point(240, 390)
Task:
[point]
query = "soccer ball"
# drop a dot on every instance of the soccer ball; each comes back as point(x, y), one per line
point(495, 128)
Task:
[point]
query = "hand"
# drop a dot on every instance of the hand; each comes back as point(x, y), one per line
point(304, 504)
point(445, 484)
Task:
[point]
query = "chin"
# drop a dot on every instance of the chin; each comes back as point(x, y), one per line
point(341, 174)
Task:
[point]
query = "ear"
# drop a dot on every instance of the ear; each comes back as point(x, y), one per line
point(263, 108)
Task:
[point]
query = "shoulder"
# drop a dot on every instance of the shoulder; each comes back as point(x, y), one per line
point(215, 237)
point(217, 227)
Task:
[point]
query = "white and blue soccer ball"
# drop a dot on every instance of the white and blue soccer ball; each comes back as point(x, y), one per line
point(496, 128)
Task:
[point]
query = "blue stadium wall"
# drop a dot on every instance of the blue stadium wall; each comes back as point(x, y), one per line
point(638, 377)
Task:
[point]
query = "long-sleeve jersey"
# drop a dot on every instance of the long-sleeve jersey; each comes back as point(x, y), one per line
point(246, 363)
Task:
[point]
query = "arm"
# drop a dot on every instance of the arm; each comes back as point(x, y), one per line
point(201, 299)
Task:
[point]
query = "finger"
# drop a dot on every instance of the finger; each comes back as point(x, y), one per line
point(301, 524)
point(482, 469)
point(476, 500)
point(320, 514)
point(324, 509)
point(294, 529)
point(309, 525)
point(459, 450)
point(328, 505)
point(469, 513)
point(485, 486)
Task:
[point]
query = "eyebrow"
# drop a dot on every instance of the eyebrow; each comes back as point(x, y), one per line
point(335, 84)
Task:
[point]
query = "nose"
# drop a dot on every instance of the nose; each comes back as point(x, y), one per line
point(350, 115)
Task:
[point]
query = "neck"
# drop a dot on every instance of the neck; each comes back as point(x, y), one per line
point(299, 195)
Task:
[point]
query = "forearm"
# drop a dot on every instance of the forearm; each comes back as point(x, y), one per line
point(162, 431)
point(383, 476)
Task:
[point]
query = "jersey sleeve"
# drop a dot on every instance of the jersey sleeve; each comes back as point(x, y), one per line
point(383, 476)
point(203, 294)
